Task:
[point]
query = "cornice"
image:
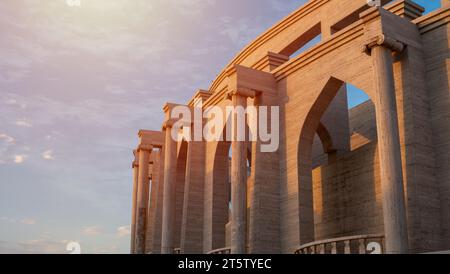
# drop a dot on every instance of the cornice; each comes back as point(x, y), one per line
point(285, 23)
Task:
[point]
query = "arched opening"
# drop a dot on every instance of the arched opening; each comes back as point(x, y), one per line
point(362, 123)
point(429, 6)
point(304, 42)
point(356, 96)
point(332, 175)
point(249, 190)
point(220, 195)
point(218, 209)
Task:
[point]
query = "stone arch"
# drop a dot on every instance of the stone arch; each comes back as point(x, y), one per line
point(220, 194)
point(312, 125)
point(309, 129)
point(217, 199)
point(325, 138)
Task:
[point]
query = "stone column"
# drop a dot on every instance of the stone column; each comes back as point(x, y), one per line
point(157, 220)
point(192, 220)
point(133, 206)
point(394, 212)
point(142, 197)
point(169, 197)
point(239, 177)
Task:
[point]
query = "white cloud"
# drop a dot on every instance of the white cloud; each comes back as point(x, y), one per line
point(77, 55)
point(43, 247)
point(10, 102)
point(241, 31)
point(92, 230)
point(123, 231)
point(48, 155)
point(116, 90)
point(286, 6)
point(8, 139)
point(19, 159)
point(23, 123)
point(113, 249)
point(13, 102)
point(7, 220)
point(192, 7)
point(28, 221)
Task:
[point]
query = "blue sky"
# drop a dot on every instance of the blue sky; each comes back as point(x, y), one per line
point(357, 96)
point(77, 83)
point(429, 5)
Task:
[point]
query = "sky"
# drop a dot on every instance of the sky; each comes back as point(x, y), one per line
point(76, 85)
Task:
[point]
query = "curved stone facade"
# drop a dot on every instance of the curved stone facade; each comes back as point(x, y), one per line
point(381, 168)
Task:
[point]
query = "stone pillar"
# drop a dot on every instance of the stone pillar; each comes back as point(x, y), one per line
point(238, 177)
point(142, 197)
point(153, 172)
point(157, 219)
point(133, 206)
point(394, 212)
point(169, 197)
point(192, 222)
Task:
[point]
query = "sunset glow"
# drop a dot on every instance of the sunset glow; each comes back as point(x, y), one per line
point(78, 79)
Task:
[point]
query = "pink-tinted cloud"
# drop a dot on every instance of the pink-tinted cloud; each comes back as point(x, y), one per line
point(77, 83)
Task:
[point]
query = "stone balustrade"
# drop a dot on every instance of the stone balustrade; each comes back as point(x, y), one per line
point(220, 251)
point(361, 244)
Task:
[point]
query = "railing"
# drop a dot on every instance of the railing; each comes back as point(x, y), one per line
point(177, 251)
point(362, 244)
point(225, 250)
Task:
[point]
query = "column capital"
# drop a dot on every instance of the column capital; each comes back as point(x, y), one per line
point(169, 123)
point(136, 155)
point(151, 137)
point(135, 164)
point(167, 108)
point(383, 41)
point(244, 92)
point(145, 147)
point(199, 98)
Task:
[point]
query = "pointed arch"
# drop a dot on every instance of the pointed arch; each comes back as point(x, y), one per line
point(325, 138)
point(309, 129)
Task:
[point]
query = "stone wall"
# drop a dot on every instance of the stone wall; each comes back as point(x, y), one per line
point(347, 198)
point(347, 195)
point(362, 123)
point(437, 68)
point(342, 194)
